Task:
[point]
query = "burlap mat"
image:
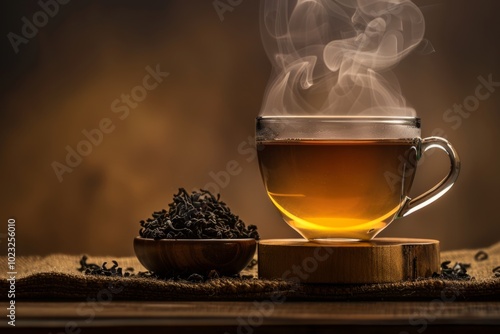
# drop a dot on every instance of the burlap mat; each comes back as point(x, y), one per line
point(57, 277)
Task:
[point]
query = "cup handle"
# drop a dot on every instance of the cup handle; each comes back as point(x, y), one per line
point(410, 205)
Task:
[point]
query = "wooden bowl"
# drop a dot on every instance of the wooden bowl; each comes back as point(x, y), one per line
point(171, 256)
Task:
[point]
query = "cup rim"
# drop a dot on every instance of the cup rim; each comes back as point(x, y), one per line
point(403, 120)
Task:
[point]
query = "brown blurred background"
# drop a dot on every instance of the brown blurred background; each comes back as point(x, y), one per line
point(65, 79)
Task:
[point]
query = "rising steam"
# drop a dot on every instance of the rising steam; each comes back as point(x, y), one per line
point(332, 57)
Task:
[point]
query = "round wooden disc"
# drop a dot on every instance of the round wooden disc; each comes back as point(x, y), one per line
point(381, 260)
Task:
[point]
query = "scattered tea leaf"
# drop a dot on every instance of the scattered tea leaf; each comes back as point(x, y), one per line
point(116, 271)
point(457, 272)
point(94, 269)
point(481, 256)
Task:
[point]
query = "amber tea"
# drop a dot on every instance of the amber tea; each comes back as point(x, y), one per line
point(328, 189)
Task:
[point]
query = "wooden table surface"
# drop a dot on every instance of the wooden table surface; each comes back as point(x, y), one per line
point(255, 317)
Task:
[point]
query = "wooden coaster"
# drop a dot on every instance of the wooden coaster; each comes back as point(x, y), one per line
point(381, 260)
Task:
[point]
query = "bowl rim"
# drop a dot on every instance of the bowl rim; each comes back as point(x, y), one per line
point(197, 240)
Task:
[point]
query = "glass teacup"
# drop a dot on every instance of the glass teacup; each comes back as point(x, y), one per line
point(345, 178)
